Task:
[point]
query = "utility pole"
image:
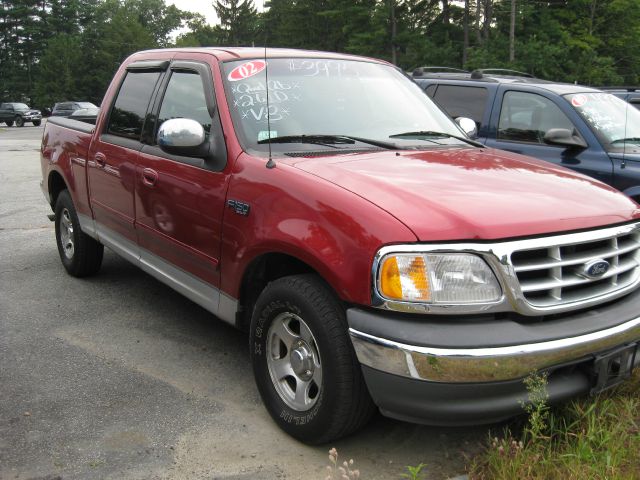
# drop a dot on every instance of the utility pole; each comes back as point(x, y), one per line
point(512, 33)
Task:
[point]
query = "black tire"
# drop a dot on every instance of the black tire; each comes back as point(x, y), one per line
point(9, 123)
point(81, 255)
point(36, 123)
point(341, 403)
point(19, 121)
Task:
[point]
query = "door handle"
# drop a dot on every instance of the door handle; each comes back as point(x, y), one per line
point(100, 159)
point(149, 177)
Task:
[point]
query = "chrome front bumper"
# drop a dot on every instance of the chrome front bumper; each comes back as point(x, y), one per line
point(494, 364)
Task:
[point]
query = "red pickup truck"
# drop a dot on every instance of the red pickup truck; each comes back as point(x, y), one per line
point(377, 257)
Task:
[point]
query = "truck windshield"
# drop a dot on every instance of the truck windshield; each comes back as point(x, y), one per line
point(316, 97)
point(20, 106)
point(615, 122)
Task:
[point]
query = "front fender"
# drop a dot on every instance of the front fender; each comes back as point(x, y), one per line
point(295, 213)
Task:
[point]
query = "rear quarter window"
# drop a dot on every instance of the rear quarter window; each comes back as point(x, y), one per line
point(460, 101)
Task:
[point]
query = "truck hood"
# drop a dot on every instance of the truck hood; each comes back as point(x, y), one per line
point(470, 193)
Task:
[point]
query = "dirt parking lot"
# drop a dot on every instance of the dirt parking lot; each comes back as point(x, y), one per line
point(119, 377)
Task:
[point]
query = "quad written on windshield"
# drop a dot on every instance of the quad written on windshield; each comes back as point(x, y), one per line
point(615, 122)
point(325, 97)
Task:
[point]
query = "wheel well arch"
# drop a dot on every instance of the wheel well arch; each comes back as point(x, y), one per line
point(260, 272)
point(56, 184)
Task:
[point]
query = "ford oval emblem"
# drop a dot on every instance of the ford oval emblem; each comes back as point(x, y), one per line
point(595, 268)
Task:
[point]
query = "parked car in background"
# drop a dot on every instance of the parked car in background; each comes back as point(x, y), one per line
point(582, 128)
point(65, 109)
point(628, 94)
point(19, 113)
point(87, 115)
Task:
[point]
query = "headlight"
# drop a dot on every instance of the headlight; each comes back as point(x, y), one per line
point(437, 278)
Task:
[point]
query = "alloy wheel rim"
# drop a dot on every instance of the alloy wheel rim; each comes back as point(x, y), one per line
point(293, 361)
point(66, 234)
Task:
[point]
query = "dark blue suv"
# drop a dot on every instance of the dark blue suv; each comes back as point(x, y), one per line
point(578, 127)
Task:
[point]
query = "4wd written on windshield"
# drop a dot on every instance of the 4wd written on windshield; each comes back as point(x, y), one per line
point(377, 257)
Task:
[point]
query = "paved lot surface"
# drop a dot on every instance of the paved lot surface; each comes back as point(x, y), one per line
point(119, 377)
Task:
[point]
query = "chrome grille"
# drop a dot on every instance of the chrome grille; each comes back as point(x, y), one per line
point(551, 276)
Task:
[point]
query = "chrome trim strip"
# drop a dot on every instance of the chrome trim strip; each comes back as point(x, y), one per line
point(195, 290)
point(208, 297)
point(490, 364)
point(116, 242)
point(498, 257)
point(88, 225)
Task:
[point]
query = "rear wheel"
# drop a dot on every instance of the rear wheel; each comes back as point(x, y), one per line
point(9, 123)
point(19, 121)
point(303, 361)
point(81, 255)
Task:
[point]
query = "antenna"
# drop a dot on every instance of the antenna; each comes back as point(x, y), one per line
point(270, 162)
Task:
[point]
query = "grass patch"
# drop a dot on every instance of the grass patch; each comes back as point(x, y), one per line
point(589, 438)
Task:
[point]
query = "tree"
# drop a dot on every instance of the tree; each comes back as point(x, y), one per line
point(58, 71)
point(238, 21)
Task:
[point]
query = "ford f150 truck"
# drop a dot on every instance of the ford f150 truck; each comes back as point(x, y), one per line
point(376, 256)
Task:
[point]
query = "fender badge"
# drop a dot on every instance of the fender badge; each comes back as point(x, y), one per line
point(239, 207)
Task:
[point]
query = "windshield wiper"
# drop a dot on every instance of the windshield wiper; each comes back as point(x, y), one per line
point(431, 133)
point(625, 140)
point(329, 140)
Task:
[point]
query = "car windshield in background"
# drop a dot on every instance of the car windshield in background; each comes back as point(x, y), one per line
point(86, 105)
point(614, 121)
point(314, 97)
point(20, 106)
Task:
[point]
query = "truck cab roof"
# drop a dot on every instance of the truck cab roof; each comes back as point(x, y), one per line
point(238, 53)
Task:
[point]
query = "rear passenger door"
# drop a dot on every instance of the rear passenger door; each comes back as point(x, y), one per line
point(180, 200)
point(520, 120)
point(113, 156)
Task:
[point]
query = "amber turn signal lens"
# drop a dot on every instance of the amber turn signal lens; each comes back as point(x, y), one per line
point(405, 278)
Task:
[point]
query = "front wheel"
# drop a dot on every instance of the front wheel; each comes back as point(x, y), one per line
point(81, 255)
point(19, 122)
point(304, 364)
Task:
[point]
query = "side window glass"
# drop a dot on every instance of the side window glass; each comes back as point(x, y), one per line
point(431, 89)
point(467, 102)
point(185, 98)
point(130, 107)
point(527, 117)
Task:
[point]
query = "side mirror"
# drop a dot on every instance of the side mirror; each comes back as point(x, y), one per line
point(468, 126)
point(183, 136)
point(564, 137)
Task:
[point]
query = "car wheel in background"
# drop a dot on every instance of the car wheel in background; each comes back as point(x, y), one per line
point(36, 123)
point(19, 122)
point(9, 123)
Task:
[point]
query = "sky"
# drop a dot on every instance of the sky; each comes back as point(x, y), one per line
point(205, 7)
